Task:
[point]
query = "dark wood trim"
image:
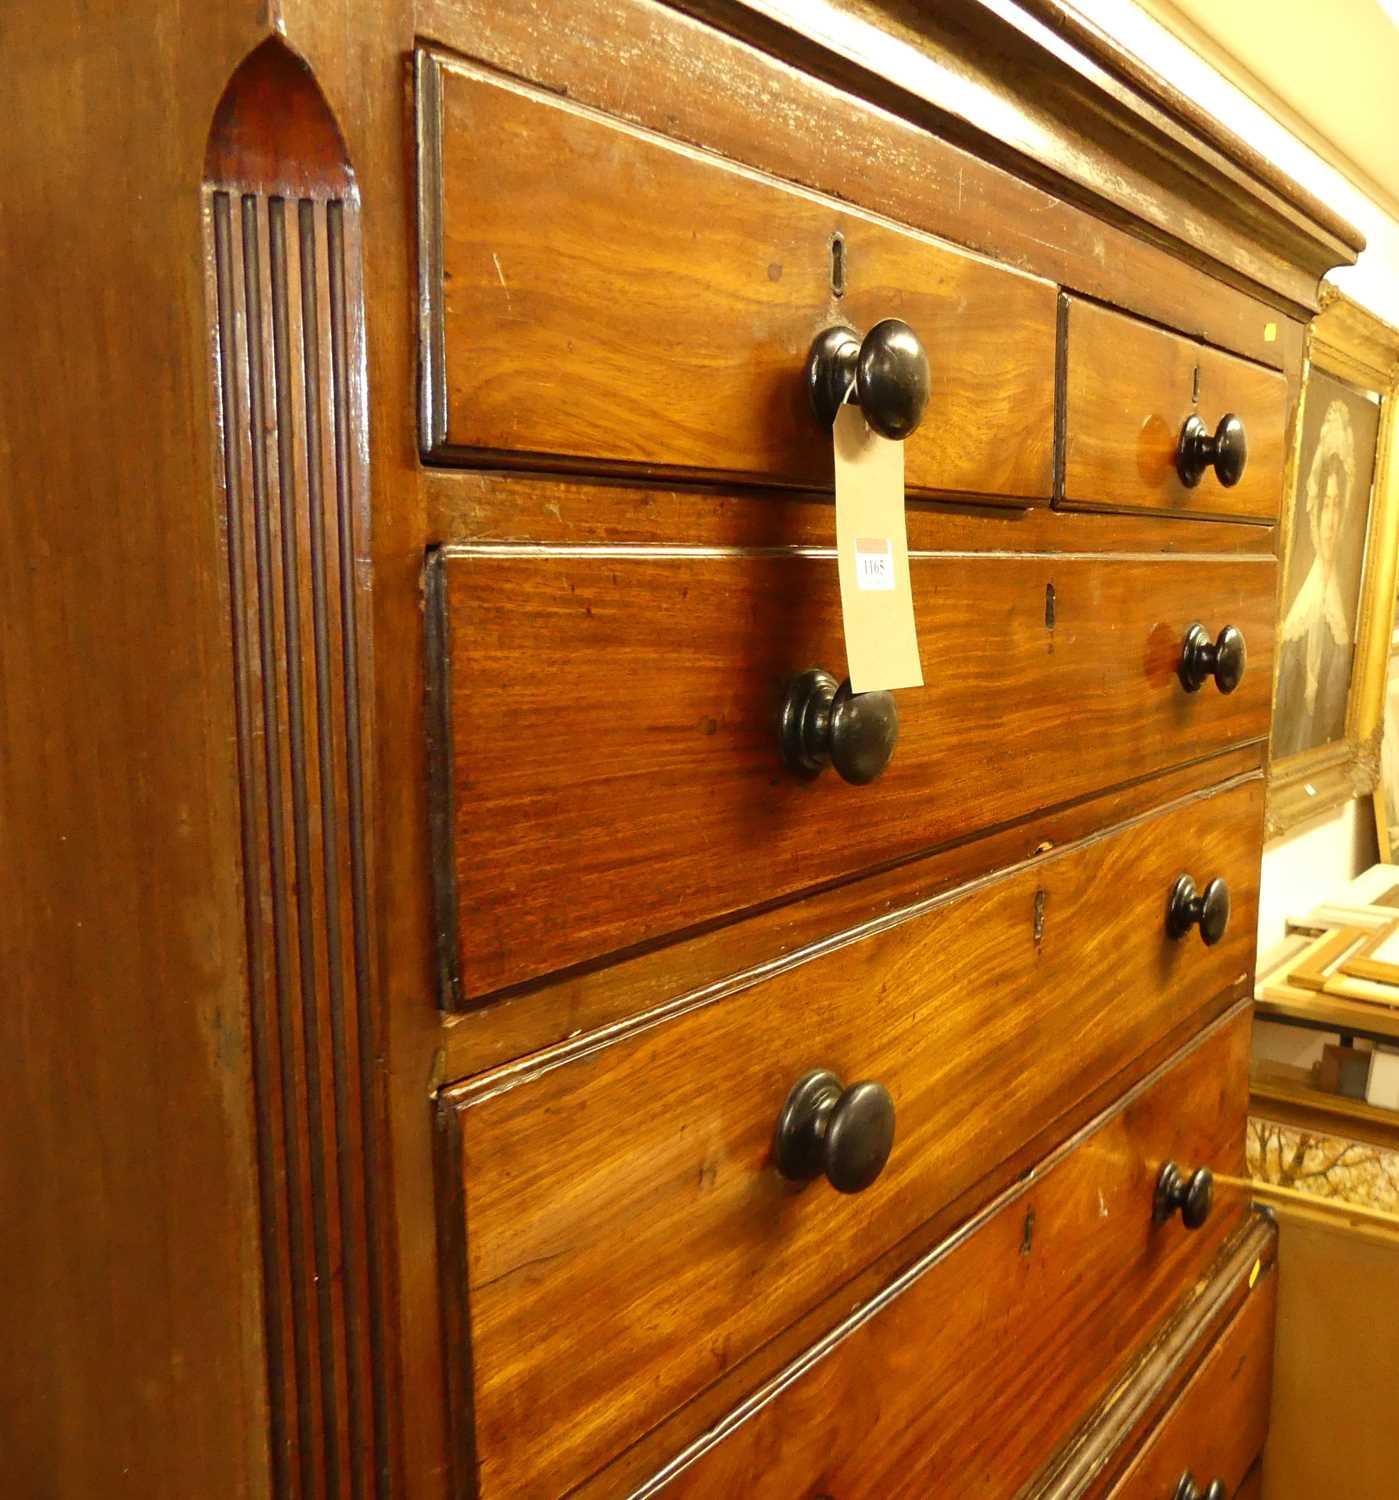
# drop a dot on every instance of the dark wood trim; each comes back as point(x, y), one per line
point(287, 312)
point(458, 1377)
point(432, 373)
point(441, 808)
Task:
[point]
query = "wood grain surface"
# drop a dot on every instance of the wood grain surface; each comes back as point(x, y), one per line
point(487, 1036)
point(1092, 1459)
point(1215, 1429)
point(603, 1258)
point(487, 506)
point(287, 321)
point(714, 90)
point(609, 747)
point(1129, 388)
point(966, 1381)
point(609, 297)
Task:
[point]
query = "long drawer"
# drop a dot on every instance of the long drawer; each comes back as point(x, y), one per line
point(598, 297)
point(608, 761)
point(616, 1232)
point(962, 1378)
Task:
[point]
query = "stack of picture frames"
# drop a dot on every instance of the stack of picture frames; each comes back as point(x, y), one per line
point(1336, 695)
point(1344, 949)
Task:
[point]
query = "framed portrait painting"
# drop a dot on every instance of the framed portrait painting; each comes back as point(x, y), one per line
point(1337, 588)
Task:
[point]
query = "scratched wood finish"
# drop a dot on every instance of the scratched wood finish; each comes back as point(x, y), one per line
point(965, 1381)
point(1216, 1428)
point(1129, 388)
point(601, 1259)
point(609, 742)
point(610, 297)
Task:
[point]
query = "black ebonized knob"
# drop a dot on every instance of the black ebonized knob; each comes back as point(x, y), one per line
point(1227, 450)
point(1223, 659)
point(1187, 1489)
point(845, 1133)
point(1192, 1195)
point(889, 368)
point(824, 723)
point(1207, 909)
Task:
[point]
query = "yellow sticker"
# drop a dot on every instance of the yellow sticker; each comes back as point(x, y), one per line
point(1254, 1273)
point(1270, 333)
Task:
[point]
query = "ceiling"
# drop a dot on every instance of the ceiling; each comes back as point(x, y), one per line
point(1335, 63)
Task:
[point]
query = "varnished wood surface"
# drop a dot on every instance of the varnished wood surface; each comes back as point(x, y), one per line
point(1129, 388)
point(610, 733)
point(601, 1259)
point(610, 297)
point(488, 1036)
point(485, 506)
point(1094, 1457)
point(1216, 1427)
point(981, 1202)
point(129, 1172)
point(716, 91)
point(964, 1382)
point(286, 316)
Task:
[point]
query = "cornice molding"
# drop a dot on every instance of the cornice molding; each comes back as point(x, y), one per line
point(1039, 90)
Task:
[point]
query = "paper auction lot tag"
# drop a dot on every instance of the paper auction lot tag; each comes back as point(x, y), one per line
point(876, 601)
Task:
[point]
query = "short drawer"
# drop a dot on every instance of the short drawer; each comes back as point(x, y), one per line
point(1129, 390)
point(962, 1378)
point(1216, 1427)
point(597, 297)
point(618, 1234)
point(608, 762)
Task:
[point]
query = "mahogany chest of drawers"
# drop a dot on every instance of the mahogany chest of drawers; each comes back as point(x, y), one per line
point(548, 1045)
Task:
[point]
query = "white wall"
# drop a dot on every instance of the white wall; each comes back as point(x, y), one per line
point(1299, 870)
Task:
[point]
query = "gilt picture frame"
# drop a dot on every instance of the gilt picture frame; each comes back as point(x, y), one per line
point(1339, 545)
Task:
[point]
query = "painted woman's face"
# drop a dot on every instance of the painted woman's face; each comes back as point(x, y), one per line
point(1328, 531)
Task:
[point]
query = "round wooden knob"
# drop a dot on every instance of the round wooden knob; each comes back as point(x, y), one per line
point(846, 1134)
point(826, 724)
point(1187, 1489)
point(888, 369)
point(1226, 450)
point(1223, 659)
point(1191, 1196)
point(1209, 910)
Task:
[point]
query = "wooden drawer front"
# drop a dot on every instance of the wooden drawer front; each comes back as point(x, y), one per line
point(614, 769)
point(1130, 386)
point(967, 1380)
point(626, 1235)
point(1216, 1427)
point(606, 297)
